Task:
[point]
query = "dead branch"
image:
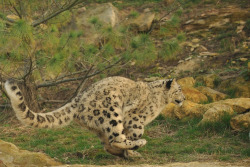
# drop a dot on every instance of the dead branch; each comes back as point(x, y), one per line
point(81, 85)
point(29, 71)
point(50, 16)
point(52, 83)
point(17, 12)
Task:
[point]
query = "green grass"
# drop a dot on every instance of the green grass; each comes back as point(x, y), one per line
point(169, 140)
point(231, 92)
point(197, 84)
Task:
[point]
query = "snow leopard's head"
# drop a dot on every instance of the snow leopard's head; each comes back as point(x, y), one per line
point(174, 93)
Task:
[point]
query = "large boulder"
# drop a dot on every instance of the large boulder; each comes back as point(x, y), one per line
point(186, 82)
point(216, 112)
point(241, 122)
point(188, 109)
point(237, 87)
point(239, 105)
point(208, 80)
point(143, 22)
point(106, 15)
point(194, 95)
point(168, 110)
point(11, 156)
point(213, 94)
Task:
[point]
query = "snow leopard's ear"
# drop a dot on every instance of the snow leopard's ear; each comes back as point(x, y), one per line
point(168, 84)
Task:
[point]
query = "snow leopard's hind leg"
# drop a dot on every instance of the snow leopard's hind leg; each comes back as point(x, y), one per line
point(116, 134)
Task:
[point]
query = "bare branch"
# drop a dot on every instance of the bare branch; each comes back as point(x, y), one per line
point(29, 70)
point(5, 106)
point(47, 84)
point(81, 85)
point(17, 12)
point(50, 16)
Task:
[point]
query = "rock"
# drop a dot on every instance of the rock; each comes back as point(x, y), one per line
point(146, 10)
point(143, 22)
point(186, 82)
point(43, 26)
point(180, 61)
point(242, 90)
point(189, 21)
point(243, 59)
point(239, 105)
point(81, 10)
point(188, 109)
point(208, 80)
point(235, 87)
point(216, 112)
point(208, 54)
point(11, 156)
point(194, 95)
point(151, 79)
point(168, 2)
point(13, 17)
point(219, 24)
point(213, 94)
point(241, 122)
point(105, 12)
point(191, 65)
point(202, 49)
point(200, 22)
point(239, 29)
point(195, 40)
point(107, 15)
point(187, 59)
point(168, 110)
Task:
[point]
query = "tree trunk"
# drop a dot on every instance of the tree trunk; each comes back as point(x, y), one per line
point(29, 91)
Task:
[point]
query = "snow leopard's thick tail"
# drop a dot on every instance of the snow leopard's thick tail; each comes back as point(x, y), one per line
point(57, 118)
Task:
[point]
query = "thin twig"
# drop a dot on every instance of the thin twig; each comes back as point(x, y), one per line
point(80, 87)
point(19, 15)
point(50, 16)
point(29, 71)
point(47, 84)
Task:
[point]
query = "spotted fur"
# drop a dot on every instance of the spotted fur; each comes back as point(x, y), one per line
point(116, 108)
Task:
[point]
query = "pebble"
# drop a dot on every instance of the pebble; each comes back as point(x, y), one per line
point(243, 59)
point(195, 40)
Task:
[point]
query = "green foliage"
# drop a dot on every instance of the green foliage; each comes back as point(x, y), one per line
point(209, 100)
point(145, 51)
point(247, 25)
point(231, 92)
point(96, 22)
point(227, 45)
point(198, 83)
point(170, 49)
point(181, 37)
point(133, 14)
point(217, 81)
